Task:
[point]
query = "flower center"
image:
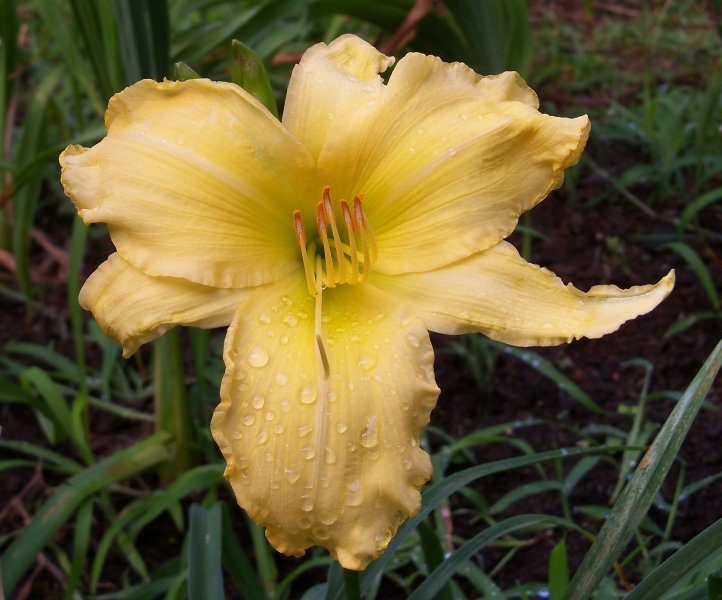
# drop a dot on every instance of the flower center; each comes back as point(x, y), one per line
point(347, 255)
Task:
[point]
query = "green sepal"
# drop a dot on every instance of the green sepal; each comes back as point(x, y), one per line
point(247, 71)
point(183, 72)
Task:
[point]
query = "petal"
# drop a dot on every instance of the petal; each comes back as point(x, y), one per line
point(134, 308)
point(508, 299)
point(326, 461)
point(446, 159)
point(196, 179)
point(333, 87)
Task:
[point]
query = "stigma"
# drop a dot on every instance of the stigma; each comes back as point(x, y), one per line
point(343, 252)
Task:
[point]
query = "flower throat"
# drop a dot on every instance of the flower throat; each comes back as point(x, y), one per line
point(347, 255)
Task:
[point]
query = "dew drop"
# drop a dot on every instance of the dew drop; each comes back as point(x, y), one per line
point(331, 395)
point(291, 475)
point(283, 340)
point(328, 519)
point(285, 405)
point(264, 319)
point(451, 151)
point(354, 493)
point(405, 406)
point(308, 394)
point(290, 320)
point(366, 362)
point(281, 378)
point(407, 464)
point(304, 430)
point(304, 523)
point(306, 503)
point(278, 428)
point(268, 456)
point(237, 435)
point(258, 401)
point(341, 427)
point(308, 452)
point(262, 438)
point(357, 339)
point(323, 481)
point(249, 420)
point(413, 340)
point(321, 533)
point(286, 300)
point(258, 357)
point(369, 436)
point(270, 415)
point(330, 456)
point(239, 374)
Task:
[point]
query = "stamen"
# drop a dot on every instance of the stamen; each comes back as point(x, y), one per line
point(321, 221)
point(348, 219)
point(301, 240)
point(331, 216)
point(359, 222)
point(368, 229)
point(323, 357)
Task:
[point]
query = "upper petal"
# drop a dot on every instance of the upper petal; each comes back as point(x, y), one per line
point(498, 293)
point(446, 159)
point(318, 458)
point(196, 179)
point(333, 88)
point(134, 308)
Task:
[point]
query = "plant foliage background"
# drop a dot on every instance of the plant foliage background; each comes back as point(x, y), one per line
point(110, 486)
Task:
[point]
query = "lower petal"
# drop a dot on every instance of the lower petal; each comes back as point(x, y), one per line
point(326, 455)
point(134, 308)
point(498, 293)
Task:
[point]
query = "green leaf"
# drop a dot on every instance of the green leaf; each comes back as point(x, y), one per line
point(247, 71)
point(634, 502)
point(688, 560)
point(23, 550)
point(205, 575)
point(700, 269)
point(441, 575)
point(236, 562)
point(558, 571)
point(183, 72)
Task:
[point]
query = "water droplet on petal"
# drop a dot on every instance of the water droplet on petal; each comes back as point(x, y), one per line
point(366, 362)
point(321, 533)
point(258, 357)
point(306, 503)
point(257, 401)
point(286, 300)
point(285, 405)
point(304, 430)
point(237, 435)
point(328, 519)
point(331, 395)
point(239, 374)
point(290, 320)
point(369, 436)
point(308, 452)
point(270, 415)
point(330, 456)
point(291, 475)
point(308, 394)
point(249, 420)
point(413, 340)
point(281, 378)
point(407, 464)
point(451, 151)
point(278, 428)
point(283, 340)
point(304, 523)
point(262, 438)
point(264, 319)
point(354, 493)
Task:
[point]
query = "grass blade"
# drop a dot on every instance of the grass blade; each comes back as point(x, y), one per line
point(23, 550)
point(686, 561)
point(205, 576)
point(633, 503)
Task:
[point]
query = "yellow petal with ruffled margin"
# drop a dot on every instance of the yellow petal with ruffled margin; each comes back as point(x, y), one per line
point(196, 179)
point(447, 160)
point(326, 461)
point(499, 294)
point(134, 308)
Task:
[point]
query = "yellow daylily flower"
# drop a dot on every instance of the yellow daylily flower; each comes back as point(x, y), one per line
point(330, 243)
